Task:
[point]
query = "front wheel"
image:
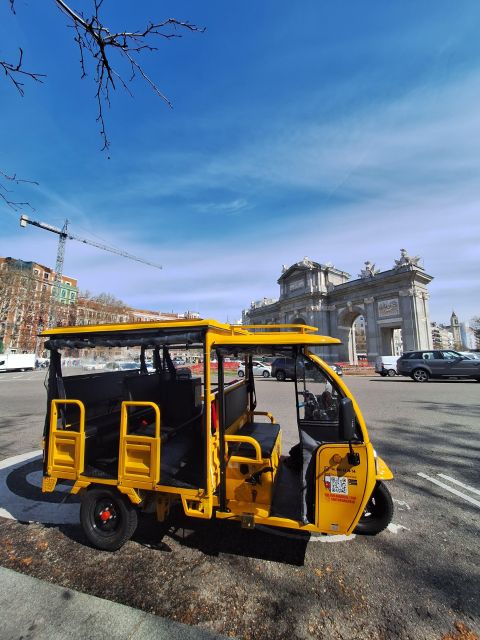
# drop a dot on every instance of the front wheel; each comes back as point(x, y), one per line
point(265, 374)
point(108, 518)
point(240, 373)
point(378, 512)
point(392, 373)
point(420, 375)
point(280, 375)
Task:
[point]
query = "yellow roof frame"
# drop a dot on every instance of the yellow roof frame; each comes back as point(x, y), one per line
point(221, 333)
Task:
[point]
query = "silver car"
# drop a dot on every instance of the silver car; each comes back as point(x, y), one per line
point(259, 369)
point(423, 365)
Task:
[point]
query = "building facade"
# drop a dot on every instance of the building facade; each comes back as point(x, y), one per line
point(26, 300)
point(390, 302)
point(442, 337)
point(29, 297)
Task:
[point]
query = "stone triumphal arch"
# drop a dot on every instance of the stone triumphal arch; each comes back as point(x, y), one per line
point(389, 303)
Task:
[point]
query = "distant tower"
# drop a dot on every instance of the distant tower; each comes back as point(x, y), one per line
point(455, 329)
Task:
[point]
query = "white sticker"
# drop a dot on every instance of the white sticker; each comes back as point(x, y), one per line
point(337, 485)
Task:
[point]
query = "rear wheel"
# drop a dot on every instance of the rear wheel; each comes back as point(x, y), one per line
point(265, 374)
point(280, 375)
point(391, 373)
point(378, 512)
point(240, 373)
point(108, 518)
point(420, 375)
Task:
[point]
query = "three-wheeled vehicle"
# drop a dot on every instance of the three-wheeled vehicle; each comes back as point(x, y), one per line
point(139, 440)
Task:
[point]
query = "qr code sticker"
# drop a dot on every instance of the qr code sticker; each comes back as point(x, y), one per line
point(337, 485)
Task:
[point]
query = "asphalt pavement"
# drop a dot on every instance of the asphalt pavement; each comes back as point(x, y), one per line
point(419, 579)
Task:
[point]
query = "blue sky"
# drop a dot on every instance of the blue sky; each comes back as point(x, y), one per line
point(339, 131)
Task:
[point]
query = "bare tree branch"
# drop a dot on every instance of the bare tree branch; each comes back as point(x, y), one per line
point(13, 204)
point(15, 71)
point(97, 41)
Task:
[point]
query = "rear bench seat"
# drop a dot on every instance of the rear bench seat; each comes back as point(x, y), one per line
point(181, 423)
point(102, 395)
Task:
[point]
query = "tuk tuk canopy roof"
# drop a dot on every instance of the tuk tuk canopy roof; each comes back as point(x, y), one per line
point(181, 332)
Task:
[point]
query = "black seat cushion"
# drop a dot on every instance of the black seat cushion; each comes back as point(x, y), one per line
point(265, 433)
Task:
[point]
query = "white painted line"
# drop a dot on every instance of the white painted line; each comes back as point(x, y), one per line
point(314, 537)
point(396, 528)
point(20, 458)
point(402, 505)
point(451, 489)
point(460, 484)
point(17, 507)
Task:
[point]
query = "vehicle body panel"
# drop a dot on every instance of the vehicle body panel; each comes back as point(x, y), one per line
point(229, 455)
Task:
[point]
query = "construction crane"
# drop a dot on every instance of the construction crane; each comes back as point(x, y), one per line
point(63, 235)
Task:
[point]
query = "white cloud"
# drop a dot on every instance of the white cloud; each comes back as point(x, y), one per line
point(407, 173)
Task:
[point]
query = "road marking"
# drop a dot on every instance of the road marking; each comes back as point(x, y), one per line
point(402, 505)
point(451, 489)
point(460, 484)
point(396, 528)
point(40, 508)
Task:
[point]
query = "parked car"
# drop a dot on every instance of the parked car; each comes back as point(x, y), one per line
point(423, 365)
point(386, 365)
point(93, 365)
point(178, 361)
point(121, 366)
point(284, 368)
point(337, 368)
point(259, 369)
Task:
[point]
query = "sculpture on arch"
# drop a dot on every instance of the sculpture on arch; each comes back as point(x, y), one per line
point(407, 261)
point(370, 271)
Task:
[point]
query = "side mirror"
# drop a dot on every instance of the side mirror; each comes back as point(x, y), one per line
point(346, 420)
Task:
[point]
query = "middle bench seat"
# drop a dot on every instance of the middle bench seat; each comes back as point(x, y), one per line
point(265, 433)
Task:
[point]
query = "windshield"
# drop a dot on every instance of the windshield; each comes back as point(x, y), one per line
point(318, 402)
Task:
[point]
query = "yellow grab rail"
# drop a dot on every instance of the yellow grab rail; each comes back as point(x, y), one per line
point(139, 403)
point(66, 450)
point(139, 455)
point(248, 440)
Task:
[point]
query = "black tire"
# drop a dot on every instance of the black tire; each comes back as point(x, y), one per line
point(280, 375)
point(241, 374)
point(391, 373)
point(265, 374)
point(420, 375)
point(107, 533)
point(378, 512)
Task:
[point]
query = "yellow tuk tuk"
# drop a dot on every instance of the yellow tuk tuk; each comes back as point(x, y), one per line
point(133, 440)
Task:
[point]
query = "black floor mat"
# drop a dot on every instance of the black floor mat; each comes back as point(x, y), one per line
point(102, 468)
point(286, 501)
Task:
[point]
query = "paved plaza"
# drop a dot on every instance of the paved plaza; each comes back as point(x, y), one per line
point(418, 579)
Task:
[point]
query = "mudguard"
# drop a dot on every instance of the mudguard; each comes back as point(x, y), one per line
point(382, 471)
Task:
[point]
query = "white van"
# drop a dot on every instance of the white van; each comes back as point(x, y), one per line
point(17, 361)
point(386, 365)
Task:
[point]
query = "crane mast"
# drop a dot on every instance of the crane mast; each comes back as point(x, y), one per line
point(63, 235)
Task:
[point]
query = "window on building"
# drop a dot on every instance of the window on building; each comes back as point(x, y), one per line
point(45, 276)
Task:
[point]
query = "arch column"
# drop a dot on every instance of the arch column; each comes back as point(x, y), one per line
point(371, 329)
